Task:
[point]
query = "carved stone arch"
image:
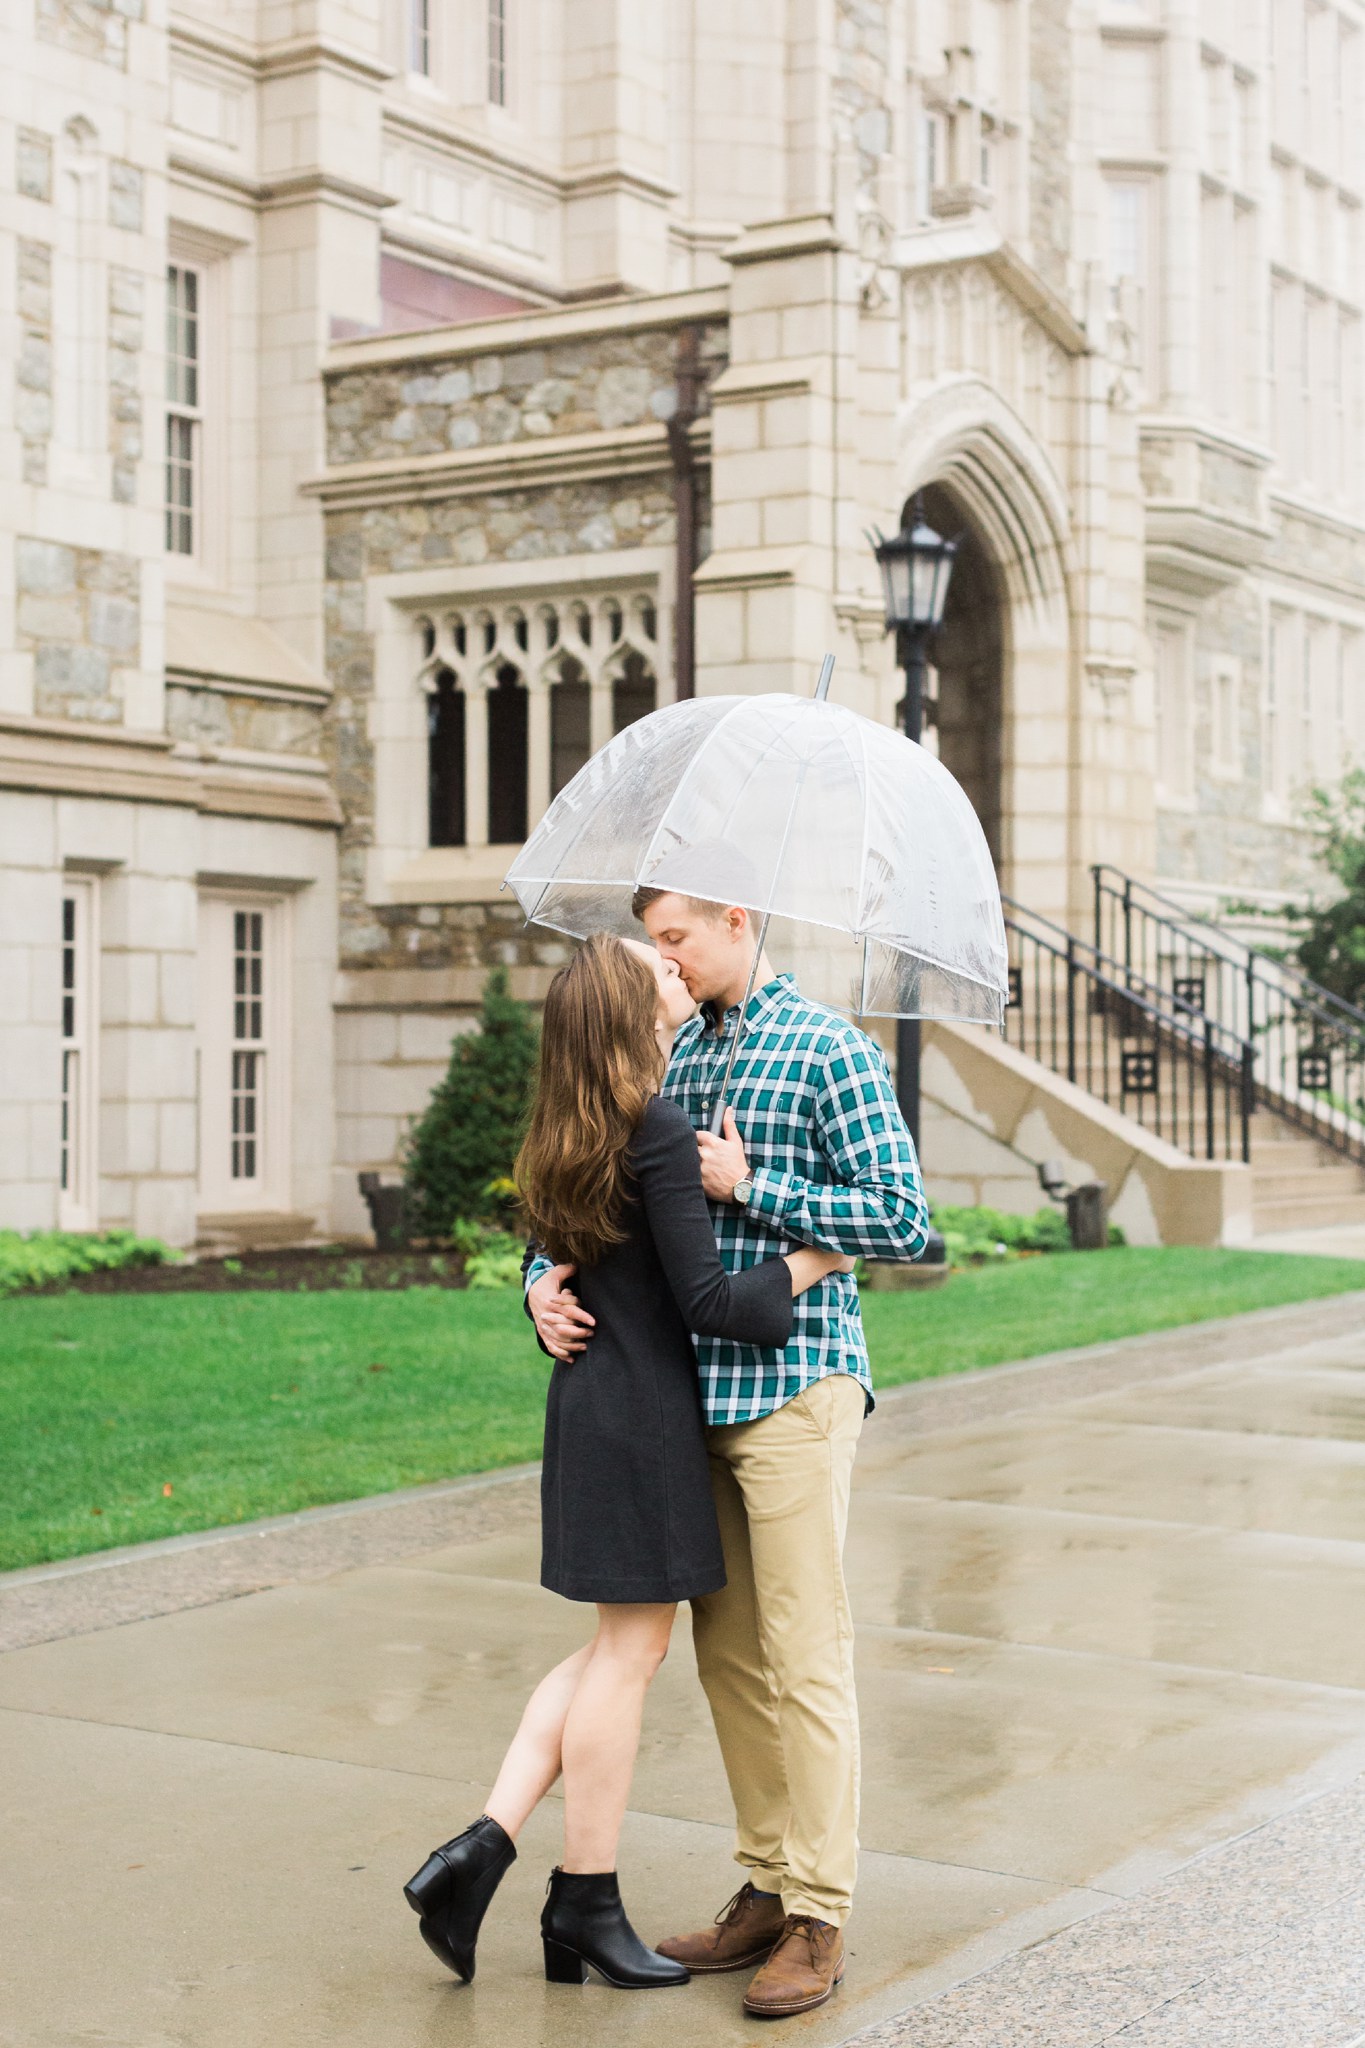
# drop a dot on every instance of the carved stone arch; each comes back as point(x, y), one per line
point(966, 435)
point(986, 474)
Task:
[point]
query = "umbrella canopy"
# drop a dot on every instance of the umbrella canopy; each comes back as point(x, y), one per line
point(862, 847)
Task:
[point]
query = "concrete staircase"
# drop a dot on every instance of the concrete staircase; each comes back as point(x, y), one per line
point(1299, 1183)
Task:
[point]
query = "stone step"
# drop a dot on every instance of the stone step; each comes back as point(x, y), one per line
point(1290, 1152)
point(1307, 1183)
point(1307, 1213)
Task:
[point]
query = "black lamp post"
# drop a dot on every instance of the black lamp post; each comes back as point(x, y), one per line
point(916, 564)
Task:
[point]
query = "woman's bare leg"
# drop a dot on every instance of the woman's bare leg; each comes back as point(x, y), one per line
point(534, 1758)
point(602, 1730)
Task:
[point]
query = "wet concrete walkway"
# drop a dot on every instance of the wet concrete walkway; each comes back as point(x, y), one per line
point(1112, 1616)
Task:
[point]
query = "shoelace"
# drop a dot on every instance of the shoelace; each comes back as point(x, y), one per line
point(807, 1925)
point(730, 1913)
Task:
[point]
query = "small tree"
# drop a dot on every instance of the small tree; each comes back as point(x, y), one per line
point(467, 1137)
point(1331, 942)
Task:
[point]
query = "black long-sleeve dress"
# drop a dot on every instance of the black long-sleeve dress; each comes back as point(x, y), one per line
point(626, 1507)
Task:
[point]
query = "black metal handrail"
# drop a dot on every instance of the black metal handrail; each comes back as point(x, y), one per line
point(1309, 1044)
point(1142, 1049)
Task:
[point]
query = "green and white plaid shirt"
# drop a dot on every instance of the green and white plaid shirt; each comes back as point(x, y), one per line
point(833, 1165)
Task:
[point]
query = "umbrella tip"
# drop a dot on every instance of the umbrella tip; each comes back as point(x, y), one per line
point(826, 678)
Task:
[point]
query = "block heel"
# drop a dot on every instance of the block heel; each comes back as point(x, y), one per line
point(584, 1923)
point(454, 1888)
point(425, 1891)
point(563, 1965)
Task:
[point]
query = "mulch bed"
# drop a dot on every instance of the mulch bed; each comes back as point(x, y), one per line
point(299, 1271)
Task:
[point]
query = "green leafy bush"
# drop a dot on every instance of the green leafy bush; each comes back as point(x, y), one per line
point(1331, 943)
point(461, 1152)
point(492, 1257)
point(973, 1236)
point(42, 1258)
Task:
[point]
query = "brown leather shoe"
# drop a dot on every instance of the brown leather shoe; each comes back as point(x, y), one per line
point(801, 1972)
point(742, 1934)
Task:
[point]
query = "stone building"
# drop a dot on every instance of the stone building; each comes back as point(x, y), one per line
point(407, 394)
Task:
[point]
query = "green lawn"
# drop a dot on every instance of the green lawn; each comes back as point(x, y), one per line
point(253, 1404)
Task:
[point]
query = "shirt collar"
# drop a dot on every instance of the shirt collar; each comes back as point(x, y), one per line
point(761, 1003)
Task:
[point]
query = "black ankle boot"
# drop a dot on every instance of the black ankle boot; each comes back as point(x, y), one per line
point(453, 1889)
point(583, 1921)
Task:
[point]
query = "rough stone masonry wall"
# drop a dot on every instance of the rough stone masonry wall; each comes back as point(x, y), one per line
point(33, 371)
point(603, 382)
point(522, 394)
point(212, 716)
point(79, 615)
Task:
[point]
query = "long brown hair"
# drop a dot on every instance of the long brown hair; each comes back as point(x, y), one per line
point(600, 1063)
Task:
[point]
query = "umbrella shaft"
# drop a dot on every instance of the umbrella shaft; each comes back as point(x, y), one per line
point(718, 1111)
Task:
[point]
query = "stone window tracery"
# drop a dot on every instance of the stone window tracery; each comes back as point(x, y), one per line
point(518, 696)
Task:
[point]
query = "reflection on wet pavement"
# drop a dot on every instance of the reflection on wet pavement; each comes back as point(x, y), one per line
point(1094, 1638)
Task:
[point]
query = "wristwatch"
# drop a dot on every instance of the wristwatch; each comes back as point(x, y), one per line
point(742, 1190)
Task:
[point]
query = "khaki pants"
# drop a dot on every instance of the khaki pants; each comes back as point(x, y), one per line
point(775, 1648)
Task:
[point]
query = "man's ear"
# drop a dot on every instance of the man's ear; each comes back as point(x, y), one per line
point(737, 918)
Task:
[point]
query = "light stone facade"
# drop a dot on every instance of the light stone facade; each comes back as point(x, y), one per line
point(507, 391)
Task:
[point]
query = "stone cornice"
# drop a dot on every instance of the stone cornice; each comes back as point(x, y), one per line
point(751, 568)
point(311, 182)
point(533, 329)
point(616, 177)
point(508, 465)
point(276, 60)
point(423, 126)
point(769, 241)
point(103, 761)
point(471, 267)
point(321, 53)
point(955, 246)
point(746, 382)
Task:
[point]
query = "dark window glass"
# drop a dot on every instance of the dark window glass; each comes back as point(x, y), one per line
point(507, 723)
point(632, 694)
point(445, 763)
point(570, 723)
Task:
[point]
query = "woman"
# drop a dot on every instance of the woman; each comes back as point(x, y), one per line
point(610, 1181)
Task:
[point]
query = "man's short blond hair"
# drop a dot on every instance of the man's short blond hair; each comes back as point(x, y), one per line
point(704, 906)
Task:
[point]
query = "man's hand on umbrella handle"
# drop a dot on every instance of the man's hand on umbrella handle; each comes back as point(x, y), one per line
point(563, 1325)
point(723, 1160)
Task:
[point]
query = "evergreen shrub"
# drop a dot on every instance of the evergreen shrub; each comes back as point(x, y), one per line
point(460, 1153)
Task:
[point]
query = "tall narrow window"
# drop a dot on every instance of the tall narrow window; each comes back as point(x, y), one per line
point(419, 37)
point(248, 1044)
point(632, 694)
point(1129, 258)
point(507, 758)
point(244, 1120)
point(445, 762)
point(1224, 689)
point(1281, 675)
point(79, 1046)
point(931, 165)
point(570, 722)
point(184, 418)
point(1173, 712)
point(497, 53)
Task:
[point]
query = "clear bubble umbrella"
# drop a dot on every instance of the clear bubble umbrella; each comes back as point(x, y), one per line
point(858, 850)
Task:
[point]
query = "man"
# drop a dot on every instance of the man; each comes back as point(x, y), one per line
point(824, 1159)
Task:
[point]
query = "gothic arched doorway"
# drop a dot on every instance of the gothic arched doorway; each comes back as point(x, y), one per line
point(968, 660)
